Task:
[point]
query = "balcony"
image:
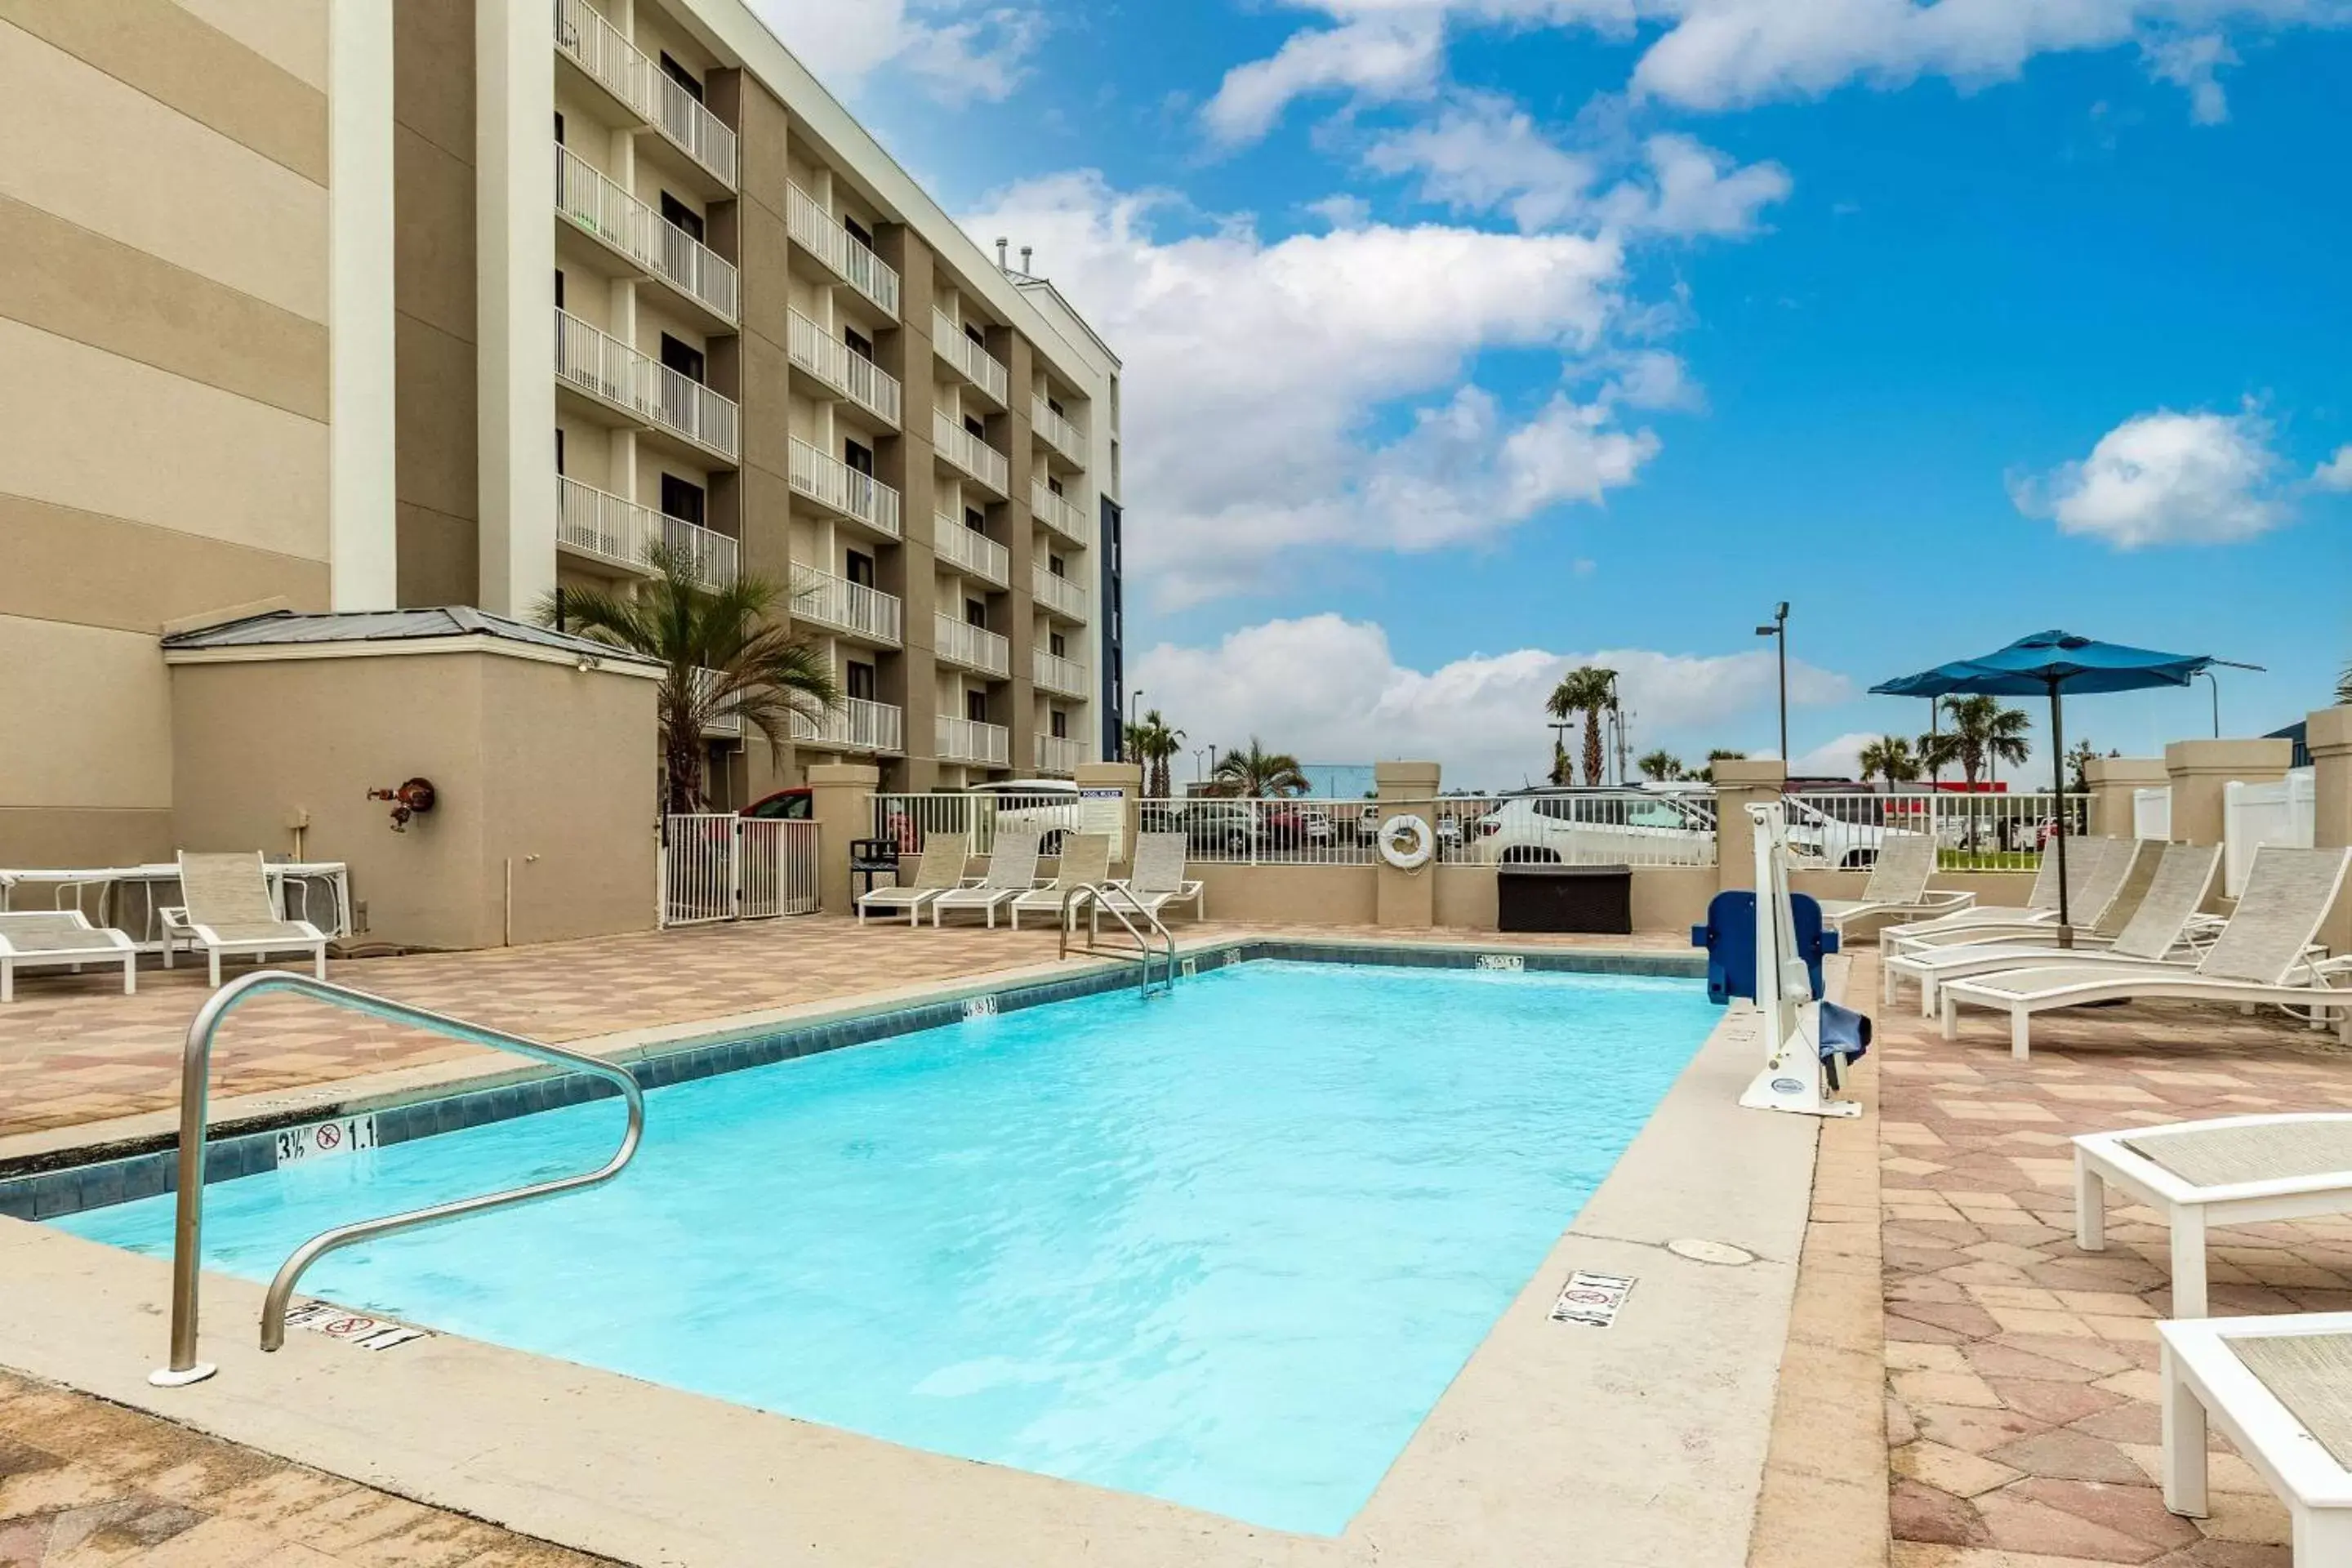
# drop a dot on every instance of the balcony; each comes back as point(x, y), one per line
point(1058, 757)
point(856, 725)
point(1058, 596)
point(968, 452)
point(974, 647)
point(608, 528)
point(842, 489)
point(849, 375)
point(1057, 432)
point(1062, 676)
point(969, 740)
point(1061, 514)
point(636, 232)
point(850, 608)
point(967, 358)
point(820, 234)
point(971, 552)
point(731, 724)
point(585, 38)
point(618, 377)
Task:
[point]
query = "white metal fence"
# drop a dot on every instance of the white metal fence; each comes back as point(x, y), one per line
point(833, 483)
point(1058, 513)
point(606, 367)
point(969, 452)
point(614, 529)
point(597, 205)
point(716, 866)
point(2152, 813)
point(968, 550)
point(601, 51)
point(844, 605)
point(2285, 813)
point(1059, 433)
point(909, 820)
point(1973, 832)
point(843, 368)
point(958, 641)
point(978, 366)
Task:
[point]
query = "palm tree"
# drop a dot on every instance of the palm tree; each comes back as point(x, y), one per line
point(1986, 734)
point(2343, 686)
point(1707, 775)
point(2078, 763)
point(1257, 772)
point(1661, 765)
point(724, 658)
point(1589, 691)
point(1935, 751)
point(1890, 757)
point(1151, 742)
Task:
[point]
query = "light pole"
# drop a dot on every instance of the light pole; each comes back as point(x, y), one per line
point(1198, 752)
point(1779, 630)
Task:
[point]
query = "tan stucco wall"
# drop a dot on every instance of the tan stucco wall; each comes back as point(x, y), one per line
point(1288, 895)
point(527, 758)
point(1672, 897)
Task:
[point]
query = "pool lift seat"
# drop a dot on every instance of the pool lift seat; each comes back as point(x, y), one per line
point(1800, 1071)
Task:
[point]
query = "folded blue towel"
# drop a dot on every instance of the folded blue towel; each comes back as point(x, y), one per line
point(1845, 1032)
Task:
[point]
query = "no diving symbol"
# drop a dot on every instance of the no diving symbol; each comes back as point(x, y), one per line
point(328, 1136)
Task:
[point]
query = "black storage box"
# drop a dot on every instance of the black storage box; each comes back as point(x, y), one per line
point(1598, 899)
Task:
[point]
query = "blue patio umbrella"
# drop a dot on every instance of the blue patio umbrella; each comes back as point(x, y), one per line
point(2055, 664)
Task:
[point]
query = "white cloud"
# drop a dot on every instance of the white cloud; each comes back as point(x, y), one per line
point(961, 49)
point(1330, 691)
point(1254, 370)
point(2189, 63)
point(2166, 479)
point(2335, 474)
point(1383, 56)
point(1841, 758)
point(1692, 190)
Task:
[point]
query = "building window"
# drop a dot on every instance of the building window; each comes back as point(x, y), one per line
point(858, 455)
point(1059, 723)
point(975, 334)
point(682, 357)
point(859, 343)
point(860, 678)
point(558, 288)
point(974, 427)
point(1055, 646)
point(1053, 484)
point(559, 449)
point(683, 77)
point(975, 706)
point(559, 128)
point(681, 499)
point(857, 231)
point(974, 521)
point(860, 568)
point(678, 214)
point(975, 613)
point(1056, 565)
point(1052, 404)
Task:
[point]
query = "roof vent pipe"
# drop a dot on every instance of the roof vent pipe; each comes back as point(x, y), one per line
point(1000, 264)
point(1024, 257)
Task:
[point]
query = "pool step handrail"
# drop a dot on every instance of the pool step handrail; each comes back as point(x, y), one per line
point(195, 1074)
point(1097, 896)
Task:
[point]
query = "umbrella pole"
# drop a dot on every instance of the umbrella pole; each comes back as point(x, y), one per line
point(2058, 813)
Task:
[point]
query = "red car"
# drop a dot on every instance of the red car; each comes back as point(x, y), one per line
point(796, 805)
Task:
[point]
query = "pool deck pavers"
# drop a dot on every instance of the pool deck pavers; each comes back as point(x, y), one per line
point(2020, 1426)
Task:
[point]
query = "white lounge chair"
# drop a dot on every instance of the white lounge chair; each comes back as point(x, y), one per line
point(2260, 958)
point(45, 939)
point(1157, 879)
point(2280, 1388)
point(2233, 1170)
point(226, 908)
point(1085, 863)
point(2041, 905)
point(939, 870)
point(1897, 889)
point(1012, 871)
point(2154, 922)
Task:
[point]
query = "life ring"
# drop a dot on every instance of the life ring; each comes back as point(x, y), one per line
point(1406, 842)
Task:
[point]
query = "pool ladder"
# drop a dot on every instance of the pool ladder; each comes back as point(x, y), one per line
point(1099, 899)
point(195, 1074)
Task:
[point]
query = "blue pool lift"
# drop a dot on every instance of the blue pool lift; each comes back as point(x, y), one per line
point(2056, 664)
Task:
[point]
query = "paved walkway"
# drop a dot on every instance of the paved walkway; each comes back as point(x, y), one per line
point(2021, 1386)
point(84, 1484)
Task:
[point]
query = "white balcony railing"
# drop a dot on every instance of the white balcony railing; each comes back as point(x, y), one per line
point(969, 740)
point(974, 647)
point(612, 528)
point(598, 48)
point(844, 605)
point(1060, 514)
point(845, 369)
point(856, 725)
point(1058, 754)
point(721, 724)
point(1059, 594)
point(607, 368)
point(969, 453)
point(974, 363)
point(599, 207)
point(1062, 677)
point(820, 234)
point(1058, 433)
point(968, 550)
point(835, 484)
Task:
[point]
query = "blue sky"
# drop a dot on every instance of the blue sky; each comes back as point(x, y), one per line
point(1470, 338)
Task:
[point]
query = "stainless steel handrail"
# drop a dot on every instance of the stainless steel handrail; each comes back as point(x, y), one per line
point(195, 1074)
point(1097, 894)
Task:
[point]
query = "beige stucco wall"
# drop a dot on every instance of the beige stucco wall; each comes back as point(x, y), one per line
point(530, 758)
point(1289, 895)
point(85, 760)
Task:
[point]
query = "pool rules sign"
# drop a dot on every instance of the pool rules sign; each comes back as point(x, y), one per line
point(1592, 1299)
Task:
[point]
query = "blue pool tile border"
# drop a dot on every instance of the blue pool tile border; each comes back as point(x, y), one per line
point(41, 1194)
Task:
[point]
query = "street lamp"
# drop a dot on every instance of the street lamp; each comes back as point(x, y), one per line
point(1779, 630)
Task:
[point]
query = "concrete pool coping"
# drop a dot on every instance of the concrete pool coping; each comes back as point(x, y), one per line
point(1645, 1442)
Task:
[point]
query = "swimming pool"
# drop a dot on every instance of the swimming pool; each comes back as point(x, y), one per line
point(1227, 1248)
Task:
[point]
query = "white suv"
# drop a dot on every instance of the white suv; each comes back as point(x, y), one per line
point(1597, 828)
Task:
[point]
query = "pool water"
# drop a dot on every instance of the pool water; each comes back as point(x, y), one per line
point(1227, 1248)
